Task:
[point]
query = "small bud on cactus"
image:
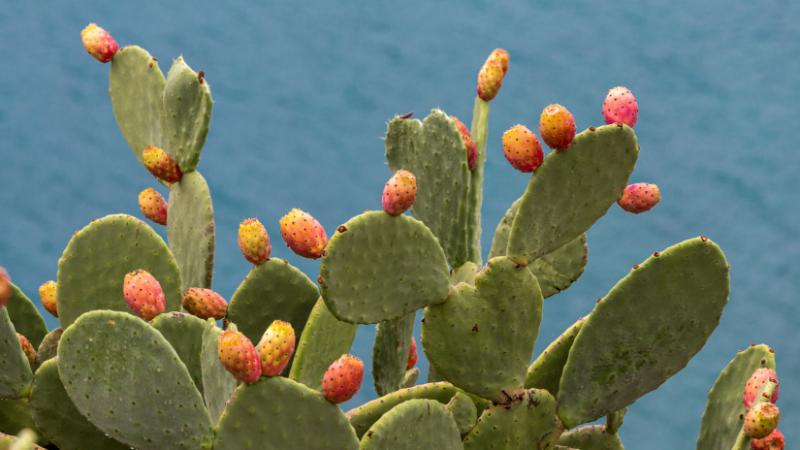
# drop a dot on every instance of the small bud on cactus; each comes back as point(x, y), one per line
point(204, 303)
point(490, 77)
point(47, 292)
point(761, 419)
point(5, 287)
point(399, 193)
point(254, 241)
point(773, 441)
point(303, 234)
point(754, 383)
point(620, 106)
point(557, 126)
point(161, 165)
point(99, 43)
point(27, 348)
point(469, 143)
point(143, 294)
point(522, 148)
point(412, 354)
point(343, 379)
point(153, 206)
point(276, 348)
point(639, 197)
point(239, 356)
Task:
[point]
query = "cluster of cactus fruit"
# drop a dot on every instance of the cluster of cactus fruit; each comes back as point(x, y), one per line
point(148, 356)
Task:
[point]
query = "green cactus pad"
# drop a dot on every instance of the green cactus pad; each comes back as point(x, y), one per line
point(93, 267)
point(594, 437)
point(413, 425)
point(464, 274)
point(49, 346)
point(268, 414)
point(390, 353)
point(273, 290)
point(433, 151)
point(25, 317)
point(58, 419)
point(545, 371)
point(190, 230)
point(722, 418)
point(126, 378)
point(15, 371)
point(625, 348)
point(187, 113)
point(527, 421)
point(464, 412)
point(15, 415)
point(362, 417)
point(136, 86)
point(410, 378)
point(572, 189)
point(218, 383)
point(463, 337)
point(480, 133)
point(379, 267)
point(185, 333)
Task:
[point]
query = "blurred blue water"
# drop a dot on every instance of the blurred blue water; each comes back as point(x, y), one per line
point(303, 91)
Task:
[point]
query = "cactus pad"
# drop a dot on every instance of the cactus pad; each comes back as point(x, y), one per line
point(218, 383)
point(463, 411)
point(48, 348)
point(187, 113)
point(594, 437)
point(413, 425)
point(625, 349)
point(185, 333)
point(124, 377)
point(464, 274)
point(463, 336)
point(15, 371)
point(571, 190)
point(379, 267)
point(268, 414)
point(15, 415)
point(94, 264)
point(434, 152)
point(545, 371)
point(480, 133)
point(25, 317)
point(390, 353)
point(190, 230)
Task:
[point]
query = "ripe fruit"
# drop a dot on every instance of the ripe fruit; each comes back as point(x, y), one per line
point(161, 165)
point(522, 148)
point(490, 77)
point(754, 383)
point(469, 143)
point(27, 348)
point(153, 206)
point(276, 348)
point(143, 294)
point(620, 106)
point(342, 379)
point(412, 354)
point(399, 193)
point(761, 420)
point(303, 234)
point(47, 292)
point(99, 43)
point(204, 303)
point(557, 126)
point(254, 241)
point(639, 197)
point(5, 286)
point(773, 441)
point(239, 356)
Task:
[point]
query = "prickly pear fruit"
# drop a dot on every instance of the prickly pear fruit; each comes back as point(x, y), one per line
point(276, 348)
point(239, 356)
point(490, 77)
point(620, 106)
point(761, 419)
point(47, 292)
point(557, 126)
point(27, 348)
point(772, 441)
point(161, 165)
point(399, 193)
point(254, 241)
point(469, 144)
point(99, 43)
point(522, 148)
point(204, 303)
point(303, 234)
point(412, 354)
point(5, 286)
point(143, 294)
point(754, 383)
point(639, 197)
point(153, 206)
point(343, 379)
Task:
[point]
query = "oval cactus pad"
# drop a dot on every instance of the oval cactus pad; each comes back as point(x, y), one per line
point(190, 230)
point(413, 425)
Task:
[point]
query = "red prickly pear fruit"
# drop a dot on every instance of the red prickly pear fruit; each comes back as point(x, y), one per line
point(490, 77)
point(5, 286)
point(761, 419)
point(522, 148)
point(99, 43)
point(772, 441)
point(754, 383)
point(204, 303)
point(276, 348)
point(620, 106)
point(639, 197)
point(254, 241)
point(153, 206)
point(143, 294)
point(239, 356)
point(303, 234)
point(342, 379)
point(399, 193)
point(557, 126)
point(469, 144)
point(412, 354)
point(161, 165)
point(27, 348)
point(47, 292)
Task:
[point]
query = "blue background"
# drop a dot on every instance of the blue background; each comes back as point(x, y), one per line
point(303, 91)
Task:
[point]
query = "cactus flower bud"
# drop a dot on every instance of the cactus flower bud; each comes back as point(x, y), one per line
point(490, 77)
point(239, 356)
point(761, 419)
point(522, 148)
point(153, 206)
point(47, 292)
point(773, 441)
point(399, 193)
point(639, 197)
point(254, 241)
point(557, 126)
point(469, 143)
point(143, 294)
point(5, 286)
point(27, 349)
point(204, 303)
point(303, 234)
point(343, 379)
point(276, 348)
point(161, 165)
point(99, 43)
point(412, 354)
point(620, 106)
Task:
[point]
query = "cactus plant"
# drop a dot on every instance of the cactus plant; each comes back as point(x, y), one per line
point(107, 379)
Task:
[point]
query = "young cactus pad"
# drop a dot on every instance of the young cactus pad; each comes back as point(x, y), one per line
point(190, 230)
point(15, 371)
point(593, 437)
point(412, 425)
point(390, 352)
point(25, 317)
